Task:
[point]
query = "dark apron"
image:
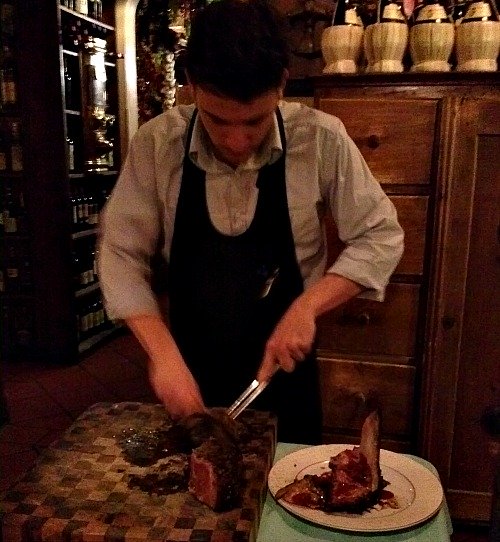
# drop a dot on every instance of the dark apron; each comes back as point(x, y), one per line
point(218, 316)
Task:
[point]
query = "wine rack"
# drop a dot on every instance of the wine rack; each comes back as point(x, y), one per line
point(16, 267)
point(59, 160)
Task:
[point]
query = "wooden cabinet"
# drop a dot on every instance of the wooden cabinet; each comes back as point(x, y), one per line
point(462, 376)
point(67, 92)
point(369, 349)
point(430, 353)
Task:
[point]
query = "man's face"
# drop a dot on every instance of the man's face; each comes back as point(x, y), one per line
point(236, 129)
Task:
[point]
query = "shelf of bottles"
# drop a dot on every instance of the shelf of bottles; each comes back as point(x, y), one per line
point(376, 36)
point(16, 268)
point(89, 72)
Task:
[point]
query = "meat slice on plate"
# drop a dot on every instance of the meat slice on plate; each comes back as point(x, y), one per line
point(307, 491)
point(354, 482)
point(355, 477)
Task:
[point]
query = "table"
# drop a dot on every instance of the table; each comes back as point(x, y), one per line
point(80, 488)
point(278, 525)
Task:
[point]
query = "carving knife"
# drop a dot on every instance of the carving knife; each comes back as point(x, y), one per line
point(251, 393)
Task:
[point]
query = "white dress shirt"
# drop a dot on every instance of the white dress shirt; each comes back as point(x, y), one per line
point(325, 172)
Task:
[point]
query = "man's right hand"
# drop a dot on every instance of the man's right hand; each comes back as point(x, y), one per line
point(169, 375)
point(175, 387)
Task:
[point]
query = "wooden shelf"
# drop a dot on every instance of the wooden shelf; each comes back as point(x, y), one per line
point(86, 18)
point(89, 343)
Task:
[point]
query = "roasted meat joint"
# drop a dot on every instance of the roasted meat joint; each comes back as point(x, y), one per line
point(215, 464)
point(206, 448)
point(353, 481)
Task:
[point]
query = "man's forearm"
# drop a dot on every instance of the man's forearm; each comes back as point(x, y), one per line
point(169, 375)
point(154, 336)
point(329, 292)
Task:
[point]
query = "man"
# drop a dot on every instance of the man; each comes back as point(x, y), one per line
point(233, 190)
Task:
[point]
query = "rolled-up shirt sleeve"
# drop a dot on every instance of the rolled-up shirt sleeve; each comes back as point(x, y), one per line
point(365, 217)
point(129, 228)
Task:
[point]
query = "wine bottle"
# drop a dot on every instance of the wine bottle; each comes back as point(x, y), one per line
point(98, 9)
point(480, 10)
point(4, 152)
point(85, 209)
point(91, 9)
point(478, 37)
point(341, 43)
point(101, 318)
point(457, 11)
point(386, 40)
point(68, 86)
point(391, 11)
point(21, 213)
point(95, 9)
point(75, 261)
point(8, 87)
point(431, 11)
point(16, 149)
point(84, 321)
point(74, 211)
point(95, 256)
point(82, 6)
point(79, 210)
point(432, 37)
point(10, 212)
point(89, 263)
point(12, 268)
point(346, 12)
point(70, 147)
point(7, 19)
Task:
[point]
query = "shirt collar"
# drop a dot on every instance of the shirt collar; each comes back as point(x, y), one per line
point(200, 149)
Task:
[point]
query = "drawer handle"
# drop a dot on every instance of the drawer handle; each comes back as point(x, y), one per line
point(490, 421)
point(360, 319)
point(448, 322)
point(363, 318)
point(373, 141)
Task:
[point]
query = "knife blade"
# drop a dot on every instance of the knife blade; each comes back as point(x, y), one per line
point(250, 394)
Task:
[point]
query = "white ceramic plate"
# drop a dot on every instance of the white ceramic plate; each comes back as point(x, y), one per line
point(417, 490)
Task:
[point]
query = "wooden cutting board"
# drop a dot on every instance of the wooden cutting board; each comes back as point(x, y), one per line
point(80, 488)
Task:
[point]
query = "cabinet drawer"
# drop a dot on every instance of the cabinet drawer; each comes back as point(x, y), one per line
point(395, 136)
point(347, 385)
point(412, 215)
point(367, 327)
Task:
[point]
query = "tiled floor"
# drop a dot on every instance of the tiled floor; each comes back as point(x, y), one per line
point(44, 400)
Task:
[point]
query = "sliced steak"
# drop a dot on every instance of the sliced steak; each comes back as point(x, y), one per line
point(216, 462)
point(216, 474)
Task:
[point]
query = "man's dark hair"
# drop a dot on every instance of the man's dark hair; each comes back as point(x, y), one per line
point(237, 48)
